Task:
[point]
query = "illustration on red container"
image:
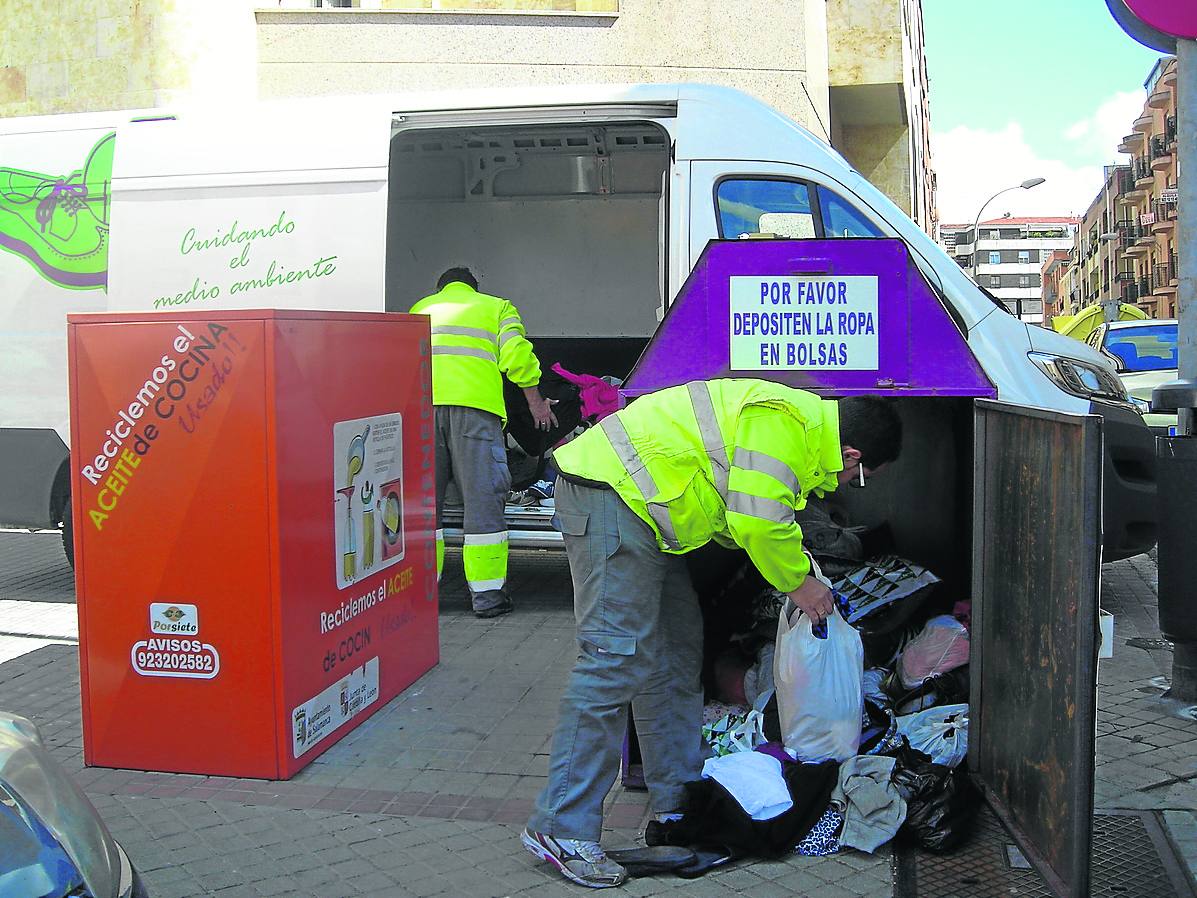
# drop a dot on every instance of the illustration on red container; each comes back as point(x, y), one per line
point(368, 495)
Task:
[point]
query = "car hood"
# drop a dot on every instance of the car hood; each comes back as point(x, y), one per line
point(1140, 383)
point(28, 770)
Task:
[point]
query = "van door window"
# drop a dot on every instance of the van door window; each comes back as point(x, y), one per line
point(748, 206)
point(841, 219)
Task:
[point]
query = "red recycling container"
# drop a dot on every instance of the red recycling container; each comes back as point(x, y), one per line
point(253, 499)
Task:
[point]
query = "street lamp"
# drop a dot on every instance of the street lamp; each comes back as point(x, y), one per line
point(1025, 185)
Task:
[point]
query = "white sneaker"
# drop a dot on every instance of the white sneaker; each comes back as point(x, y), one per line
point(578, 860)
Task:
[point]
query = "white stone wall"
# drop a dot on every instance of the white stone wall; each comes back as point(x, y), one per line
point(773, 49)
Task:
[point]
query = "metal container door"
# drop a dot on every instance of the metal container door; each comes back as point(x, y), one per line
point(1036, 581)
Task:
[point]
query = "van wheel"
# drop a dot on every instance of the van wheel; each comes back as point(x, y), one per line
point(68, 536)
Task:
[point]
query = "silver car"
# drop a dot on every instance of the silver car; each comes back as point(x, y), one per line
point(53, 844)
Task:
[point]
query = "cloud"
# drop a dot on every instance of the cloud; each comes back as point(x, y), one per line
point(972, 164)
point(1098, 135)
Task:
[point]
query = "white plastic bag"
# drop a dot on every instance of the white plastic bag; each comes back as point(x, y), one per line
point(819, 683)
point(939, 732)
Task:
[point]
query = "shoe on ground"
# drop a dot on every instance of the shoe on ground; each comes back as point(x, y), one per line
point(492, 604)
point(578, 860)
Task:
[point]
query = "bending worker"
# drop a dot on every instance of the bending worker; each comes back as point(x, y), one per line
point(729, 460)
point(475, 340)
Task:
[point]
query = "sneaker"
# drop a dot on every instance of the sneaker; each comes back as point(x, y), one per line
point(492, 604)
point(542, 489)
point(578, 860)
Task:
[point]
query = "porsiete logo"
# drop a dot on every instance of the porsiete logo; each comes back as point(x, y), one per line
point(174, 618)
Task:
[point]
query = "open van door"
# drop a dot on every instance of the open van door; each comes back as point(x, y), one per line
point(1036, 580)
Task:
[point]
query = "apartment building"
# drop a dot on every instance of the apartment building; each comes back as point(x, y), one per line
point(1126, 246)
point(1006, 256)
point(851, 72)
point(1056, 278)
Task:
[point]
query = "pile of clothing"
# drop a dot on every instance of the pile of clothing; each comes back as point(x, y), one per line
point(844, 735)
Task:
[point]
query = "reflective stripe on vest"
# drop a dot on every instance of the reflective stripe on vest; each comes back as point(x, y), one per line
point(752, 460)
point(630, 459)
point(708, 429)
point(488, 354)
point(759, 507)
point(458, 330)
point(507, 322)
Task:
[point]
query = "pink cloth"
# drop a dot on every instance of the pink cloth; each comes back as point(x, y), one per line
point(599, 398)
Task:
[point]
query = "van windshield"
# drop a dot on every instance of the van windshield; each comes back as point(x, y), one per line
point(1150, 347)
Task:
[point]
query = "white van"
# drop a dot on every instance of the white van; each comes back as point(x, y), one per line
point(586, 206)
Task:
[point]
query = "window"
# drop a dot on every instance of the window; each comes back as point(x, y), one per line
point(758, 206)
point(1147, 347)
point(995, 258)
point(1024, 280)
point(995, 281)
point(995, 235)
point(842, 220)
point(784, 208)
point(1024, 256)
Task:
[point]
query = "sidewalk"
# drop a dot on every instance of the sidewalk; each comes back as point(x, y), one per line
point(428, 796)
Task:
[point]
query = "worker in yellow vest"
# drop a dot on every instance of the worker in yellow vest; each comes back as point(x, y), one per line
point(728, 460)
point(476, 339)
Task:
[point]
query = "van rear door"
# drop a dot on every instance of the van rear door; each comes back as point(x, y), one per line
point(278, 206)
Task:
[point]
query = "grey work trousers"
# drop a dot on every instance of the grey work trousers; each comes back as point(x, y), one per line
point(471, 452)
point(639, 631)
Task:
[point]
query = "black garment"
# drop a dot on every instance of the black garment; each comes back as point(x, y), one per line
point(522, 428)
point(713, 817)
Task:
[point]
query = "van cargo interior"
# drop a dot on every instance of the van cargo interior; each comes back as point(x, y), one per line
point(564, 220)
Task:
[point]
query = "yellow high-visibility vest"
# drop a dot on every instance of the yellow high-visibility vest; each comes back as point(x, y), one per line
point(729, 460)
point(475, 339)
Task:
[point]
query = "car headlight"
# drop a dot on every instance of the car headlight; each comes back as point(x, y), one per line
point(1080, 378)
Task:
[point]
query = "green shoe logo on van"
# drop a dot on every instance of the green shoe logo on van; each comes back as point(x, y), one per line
point(60, 224)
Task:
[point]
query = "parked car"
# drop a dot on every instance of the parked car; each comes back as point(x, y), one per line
point(52, 841)
point(1144, 353)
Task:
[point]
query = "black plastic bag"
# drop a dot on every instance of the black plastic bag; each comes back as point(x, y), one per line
point(941, 802)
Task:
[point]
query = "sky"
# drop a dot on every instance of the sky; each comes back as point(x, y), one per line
point(1023, 89)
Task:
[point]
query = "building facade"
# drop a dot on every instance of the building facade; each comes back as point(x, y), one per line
point(1056, 276)
point(1006, 257)
point(850, 71)
point(1126, 245)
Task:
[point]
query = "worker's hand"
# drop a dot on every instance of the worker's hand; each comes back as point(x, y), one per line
point(541, 409)
point(813, 598)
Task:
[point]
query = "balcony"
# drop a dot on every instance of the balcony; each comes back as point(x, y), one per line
point(1162, 280)
point(1160, 98)
point(1130, 293)
point(1144, 121)
point(1170, 131)
point(1132, 143)
point(1165, 216)
point(1161, 156)
point(1125, 276)
point(1144, 175)
point(1144, 286)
